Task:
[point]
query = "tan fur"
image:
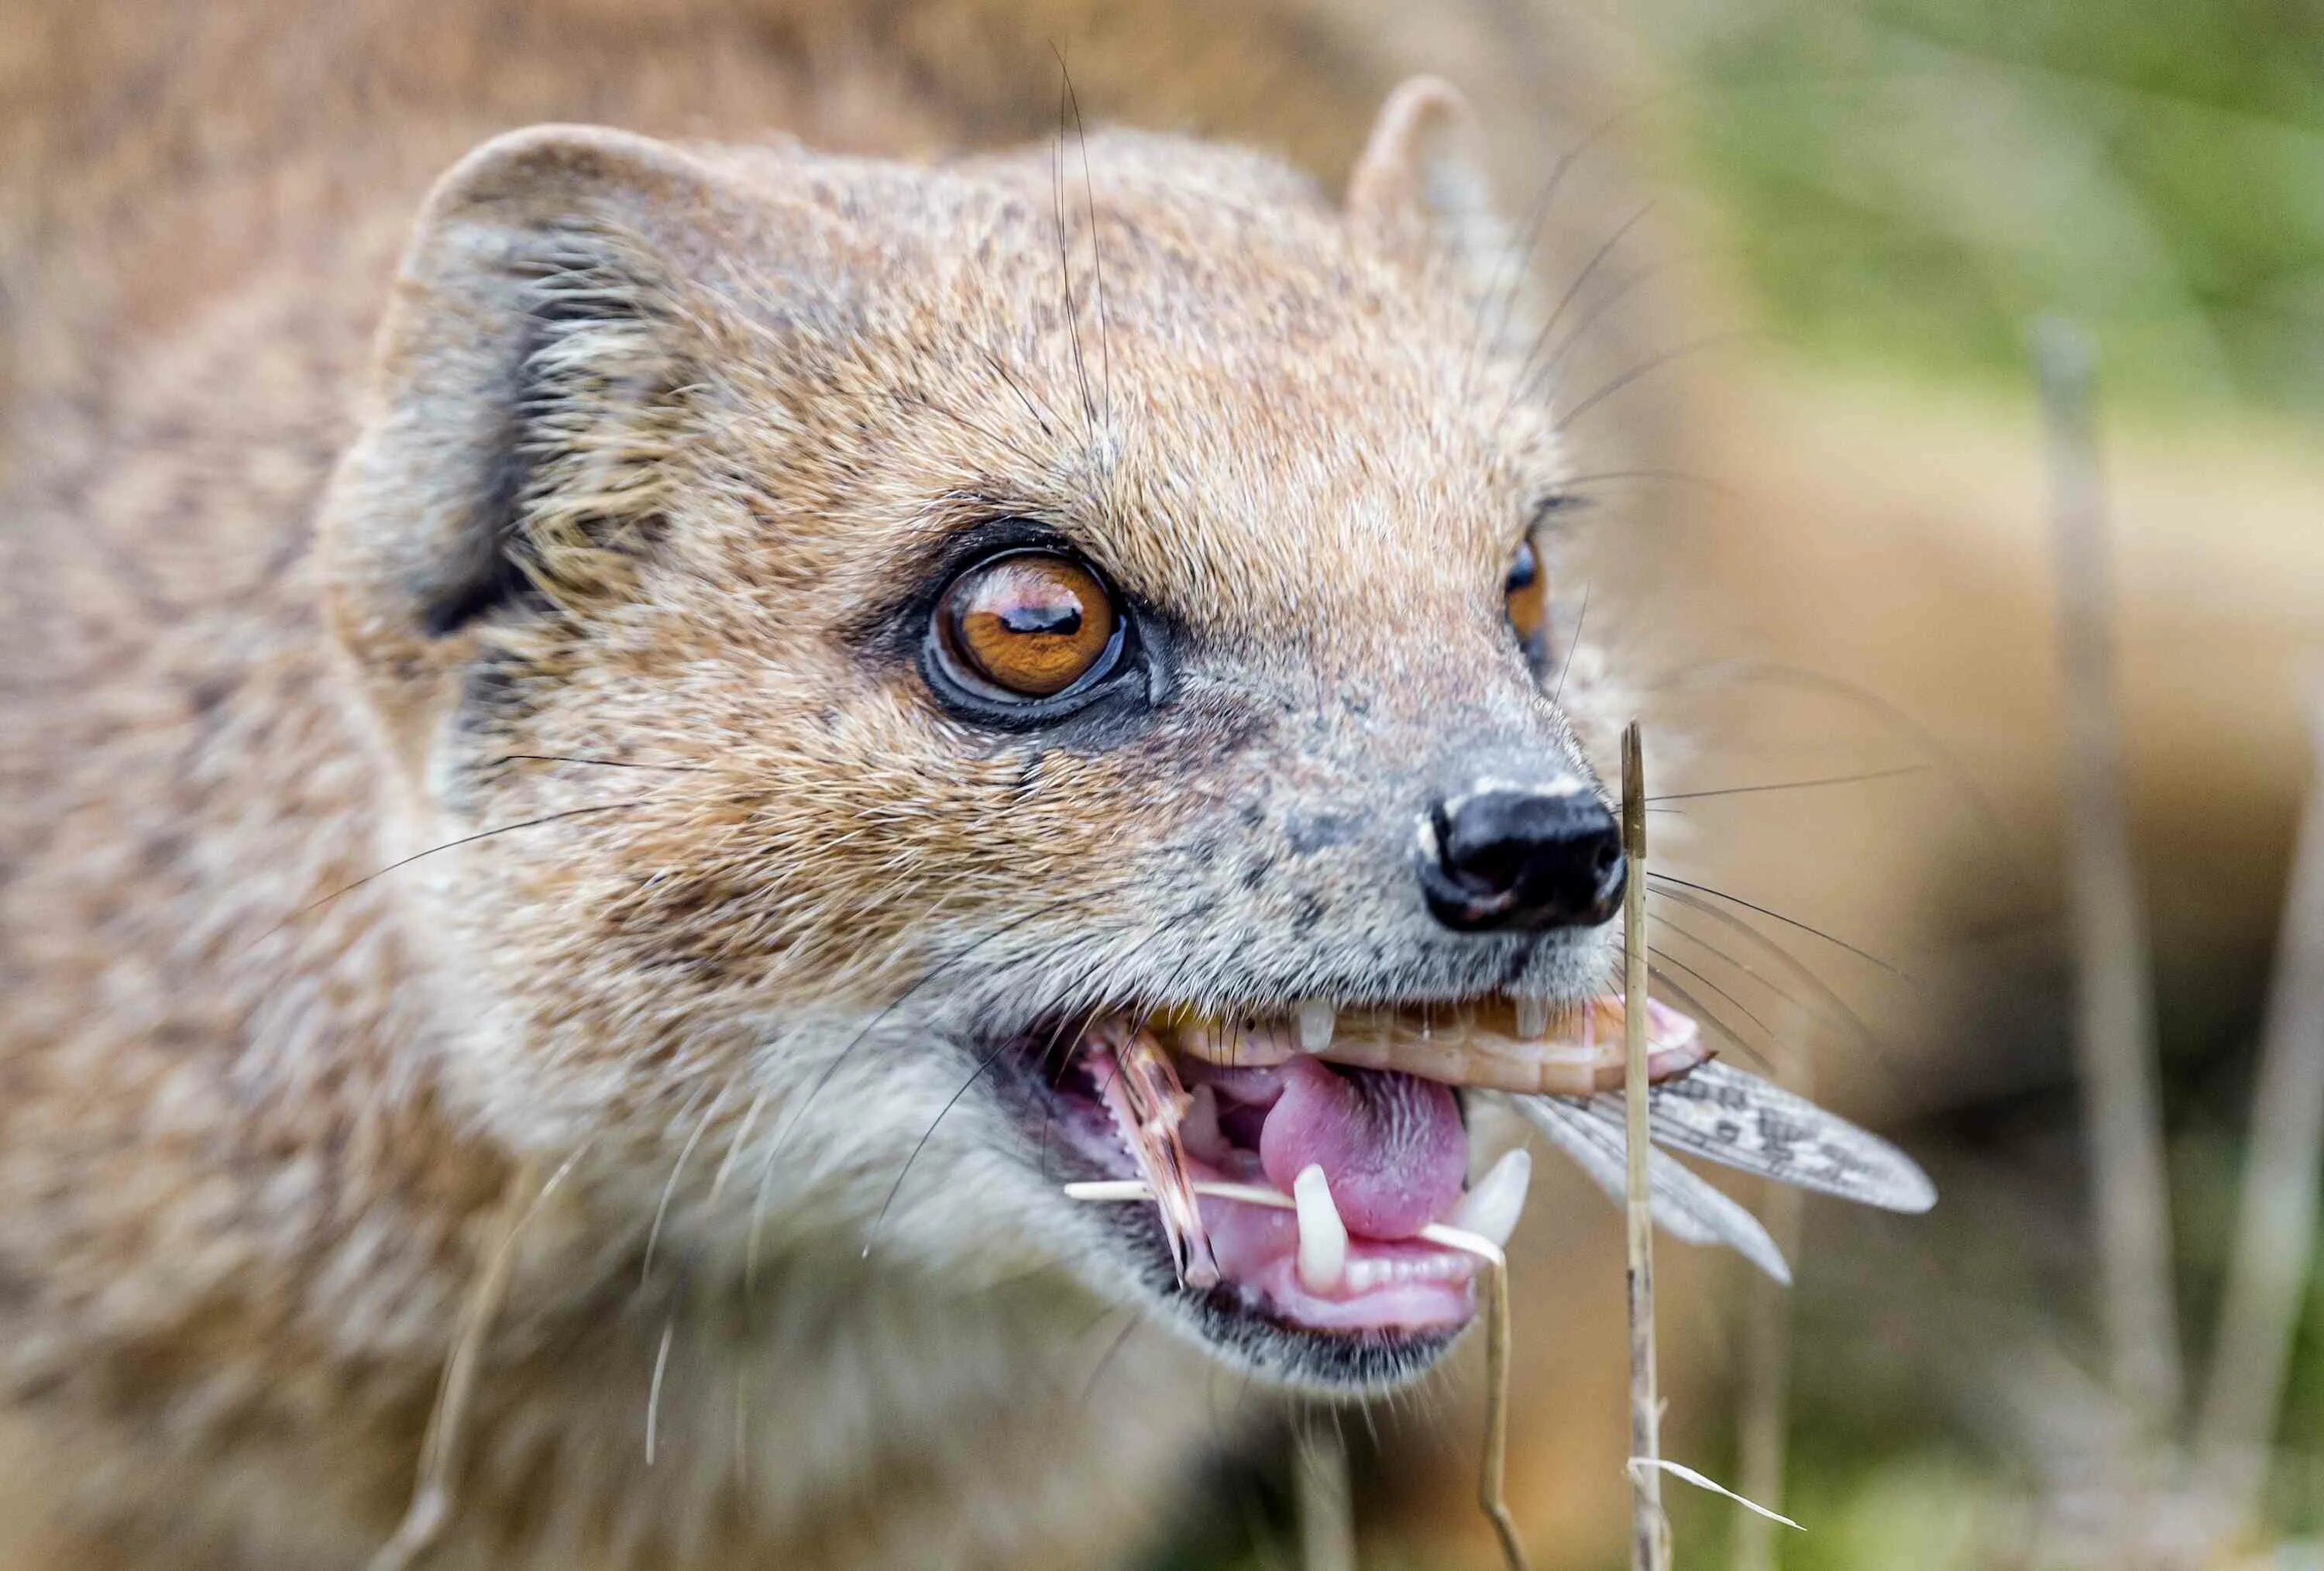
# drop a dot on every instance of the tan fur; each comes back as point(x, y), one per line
point(266, 1079)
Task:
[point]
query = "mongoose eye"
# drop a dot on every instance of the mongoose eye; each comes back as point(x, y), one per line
point(1527, 598)
point(1027, 625)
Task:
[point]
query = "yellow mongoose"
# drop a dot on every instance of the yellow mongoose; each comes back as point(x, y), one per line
point(787, 642)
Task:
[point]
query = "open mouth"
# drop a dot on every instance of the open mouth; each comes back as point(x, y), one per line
point(1355, 1118)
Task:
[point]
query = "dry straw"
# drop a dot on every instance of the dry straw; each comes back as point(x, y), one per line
point(2275, 1237)
point(1649, 1528)
point(444, 1445)
point(2115, 1017)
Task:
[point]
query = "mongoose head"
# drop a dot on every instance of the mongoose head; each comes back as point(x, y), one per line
point(883, 635)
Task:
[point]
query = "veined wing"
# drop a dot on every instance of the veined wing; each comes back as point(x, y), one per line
point(1685, 1207)
point(1725, 1115)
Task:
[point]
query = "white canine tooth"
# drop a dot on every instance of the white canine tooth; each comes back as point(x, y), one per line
point(1316, 1018)
point(1533, 1017)
point(1322, 1236)
point(1491, 1208)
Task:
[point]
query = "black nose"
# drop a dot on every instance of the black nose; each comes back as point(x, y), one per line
point(1528, 861)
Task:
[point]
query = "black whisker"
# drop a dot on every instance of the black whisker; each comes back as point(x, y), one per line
point(1065, 273)
point(448, 845)
point(926, 1134)
point(1656, 363)
point(1775, 673)
point(1710, 1017)
point(1097, 257)
point(1665, 958)
point(1023, 396)
point(1049, 1121)
point(954, 415)
point(1065, 1062)
point(1523, 379)
point(839, 1060)
point(1680, 476)
point(1542, 379)
point(1089, 1386)
point(1781, 956)
point(1515, 264)
point(1523, 254)
point(1670, 924)
point(1507, 283)
point(1864, 955)
point(1793, 785)
point(1104, 1312)
point(1660, 965)
point(1573, 645)
point(597, 762)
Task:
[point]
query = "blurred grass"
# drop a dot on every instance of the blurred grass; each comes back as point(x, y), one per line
point(1908, 181)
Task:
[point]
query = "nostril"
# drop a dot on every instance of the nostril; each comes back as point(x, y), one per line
point(1519, 859)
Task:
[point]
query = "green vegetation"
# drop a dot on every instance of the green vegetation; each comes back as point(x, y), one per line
point(1912, 179)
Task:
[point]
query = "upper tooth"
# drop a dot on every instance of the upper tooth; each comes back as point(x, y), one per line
point(1533, 1017)
point(1322, 1236)
point(1316, 1018)
point(1491, 1206)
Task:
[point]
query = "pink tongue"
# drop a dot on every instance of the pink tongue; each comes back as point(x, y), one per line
point(1391, 1146)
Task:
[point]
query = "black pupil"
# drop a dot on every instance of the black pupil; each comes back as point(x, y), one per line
point(1058, 621)
point(1521, 571)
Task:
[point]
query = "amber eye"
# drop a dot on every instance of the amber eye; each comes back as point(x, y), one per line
point(1029, 623)
point(1526, 596)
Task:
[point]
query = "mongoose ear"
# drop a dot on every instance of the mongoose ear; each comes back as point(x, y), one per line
point(1420, 190)
point(518, 419)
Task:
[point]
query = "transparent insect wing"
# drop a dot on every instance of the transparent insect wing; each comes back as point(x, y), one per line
point(1725, 1115)
point(1685, 1207)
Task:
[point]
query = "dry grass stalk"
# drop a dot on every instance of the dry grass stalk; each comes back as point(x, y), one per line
point(1327, 1519)
point(445, 1443)
point(1649, 1528)
point(2276, 1235)
point(1497, 1395)
point(2115, 1029)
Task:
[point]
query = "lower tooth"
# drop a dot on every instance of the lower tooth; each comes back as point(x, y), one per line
point(1490, 1209)
point(1200, 1130)
point(1322, 1236)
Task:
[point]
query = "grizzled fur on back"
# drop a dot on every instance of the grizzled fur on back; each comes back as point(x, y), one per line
point(554, 789)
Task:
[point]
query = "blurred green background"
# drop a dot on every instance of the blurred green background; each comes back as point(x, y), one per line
point(1908, 180)
point(1907, 184)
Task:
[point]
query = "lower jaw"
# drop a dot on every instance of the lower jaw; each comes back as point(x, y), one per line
point(1371, 1328)
point(1249, 1254)
point(1397, 1288)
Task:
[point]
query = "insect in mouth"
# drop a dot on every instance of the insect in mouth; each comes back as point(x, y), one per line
point(1705, 1109)
point(1149, 1105)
